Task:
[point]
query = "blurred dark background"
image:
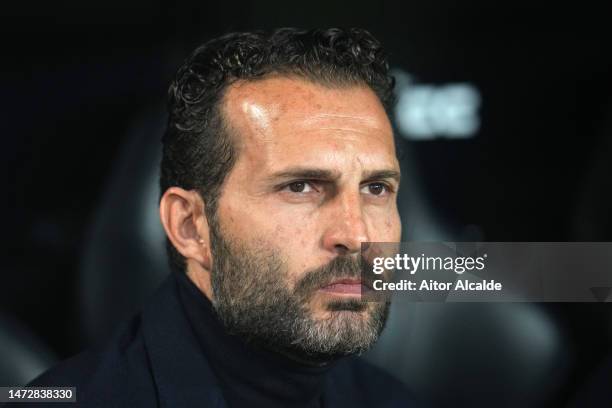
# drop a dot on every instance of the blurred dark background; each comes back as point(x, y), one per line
point(504, 115)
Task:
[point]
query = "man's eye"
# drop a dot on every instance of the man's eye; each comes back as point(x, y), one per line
point(377, 189)
point(300, 187)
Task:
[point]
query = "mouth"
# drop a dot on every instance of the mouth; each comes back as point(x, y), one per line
point(350, 287)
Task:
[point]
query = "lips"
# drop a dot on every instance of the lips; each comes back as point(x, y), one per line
point(346, 286)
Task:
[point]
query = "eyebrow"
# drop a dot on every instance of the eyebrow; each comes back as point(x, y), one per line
point(383, 174)
point(329, 175)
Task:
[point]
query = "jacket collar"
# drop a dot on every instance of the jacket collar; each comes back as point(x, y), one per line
point(182, 374)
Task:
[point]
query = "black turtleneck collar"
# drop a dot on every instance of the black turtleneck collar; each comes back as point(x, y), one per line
point(249, 376)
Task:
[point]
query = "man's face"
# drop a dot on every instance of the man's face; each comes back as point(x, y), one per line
point(316, 176)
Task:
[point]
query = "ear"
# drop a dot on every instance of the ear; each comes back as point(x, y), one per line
point(184, 220)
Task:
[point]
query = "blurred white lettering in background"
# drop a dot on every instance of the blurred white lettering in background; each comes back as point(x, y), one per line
point(426, 112)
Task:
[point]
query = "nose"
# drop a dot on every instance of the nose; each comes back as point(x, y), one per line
point(347, 228)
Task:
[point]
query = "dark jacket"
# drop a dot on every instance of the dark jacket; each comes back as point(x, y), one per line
point(155, 360)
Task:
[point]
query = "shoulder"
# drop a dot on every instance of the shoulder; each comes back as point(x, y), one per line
point(361, 383)
point(117, 374)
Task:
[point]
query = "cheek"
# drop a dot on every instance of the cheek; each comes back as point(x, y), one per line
point(386, 227)
point(384, 223)
point(292, 237)
point(297, 243)
point(395, 227)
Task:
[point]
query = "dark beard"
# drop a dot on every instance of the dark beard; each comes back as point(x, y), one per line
point(253, 300)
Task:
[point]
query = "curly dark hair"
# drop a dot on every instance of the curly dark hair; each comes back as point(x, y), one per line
point(198, 152)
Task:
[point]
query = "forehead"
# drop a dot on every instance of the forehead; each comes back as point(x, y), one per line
point(279, 119)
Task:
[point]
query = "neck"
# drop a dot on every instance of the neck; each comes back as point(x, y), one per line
point(249, 374)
